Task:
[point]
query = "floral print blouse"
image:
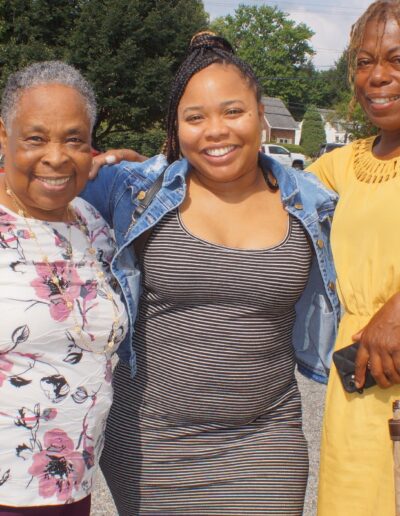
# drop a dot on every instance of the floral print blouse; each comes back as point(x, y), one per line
point(55, 378)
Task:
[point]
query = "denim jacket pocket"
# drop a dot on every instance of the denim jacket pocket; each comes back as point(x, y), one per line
point(321, 329)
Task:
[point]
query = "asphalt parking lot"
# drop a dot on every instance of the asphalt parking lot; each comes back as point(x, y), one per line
point(313, 400)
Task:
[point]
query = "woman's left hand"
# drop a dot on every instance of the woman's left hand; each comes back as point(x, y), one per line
point(380, 346)
point(113, 156)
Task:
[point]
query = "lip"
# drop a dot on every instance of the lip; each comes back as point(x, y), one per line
point(219, 153)
point(382, 102)
point(53, 184)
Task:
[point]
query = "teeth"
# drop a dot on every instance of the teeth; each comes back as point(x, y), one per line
point(384, 100)
point(54, 182)
point(221, 151)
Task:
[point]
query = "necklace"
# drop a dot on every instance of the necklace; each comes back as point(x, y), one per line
point(85, 340)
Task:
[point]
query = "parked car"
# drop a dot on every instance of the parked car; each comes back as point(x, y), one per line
point(328, 147)
point(287, 158)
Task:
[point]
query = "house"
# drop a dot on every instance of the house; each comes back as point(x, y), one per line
point(280, 126)
point(334, 128)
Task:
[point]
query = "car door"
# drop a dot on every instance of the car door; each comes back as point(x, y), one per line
point(280, 154)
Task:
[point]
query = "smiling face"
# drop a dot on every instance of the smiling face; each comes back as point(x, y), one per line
point(220, 123)
point(377, 77)
point(47, 149)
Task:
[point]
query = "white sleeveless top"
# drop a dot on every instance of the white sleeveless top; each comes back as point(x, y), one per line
point(55, 387)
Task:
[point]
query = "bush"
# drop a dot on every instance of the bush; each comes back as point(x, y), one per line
point(313, 132)
point(148, 143)
point(291, 147)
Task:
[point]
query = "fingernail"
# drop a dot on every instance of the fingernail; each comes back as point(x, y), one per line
point(111, 159)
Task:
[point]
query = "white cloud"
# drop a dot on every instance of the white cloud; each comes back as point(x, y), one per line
point(330, 21)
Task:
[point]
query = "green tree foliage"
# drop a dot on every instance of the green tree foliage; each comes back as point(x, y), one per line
point(147, 143)
point(313, 132)
point(330, 86)
point(277, 48)
point(34, 30)
point(128, 49)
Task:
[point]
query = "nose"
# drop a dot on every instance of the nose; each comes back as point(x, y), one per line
point(55, 155)
point(217, 128)
point(380, 75)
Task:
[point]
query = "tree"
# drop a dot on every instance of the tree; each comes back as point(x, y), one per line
point(313, 132)
point(276, 47)
point(34, 30)
point(331, 86)
point(131, 54)
point(128, 49)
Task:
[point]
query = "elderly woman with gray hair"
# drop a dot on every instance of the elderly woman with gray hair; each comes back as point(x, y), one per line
point(61, 319)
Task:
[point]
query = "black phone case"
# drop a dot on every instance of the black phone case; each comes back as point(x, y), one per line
point(344, 360)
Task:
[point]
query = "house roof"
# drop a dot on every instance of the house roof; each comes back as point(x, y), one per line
point(277, 114)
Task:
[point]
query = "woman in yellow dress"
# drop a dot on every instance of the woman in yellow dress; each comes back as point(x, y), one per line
point(356, 476)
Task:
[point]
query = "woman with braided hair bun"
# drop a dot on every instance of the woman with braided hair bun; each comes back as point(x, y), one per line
point(232, 287)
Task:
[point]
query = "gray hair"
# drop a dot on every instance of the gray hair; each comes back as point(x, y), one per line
point(45, 72)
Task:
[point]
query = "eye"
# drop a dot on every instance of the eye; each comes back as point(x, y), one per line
point(74, 140)
point(234, 111)
point(396, 60)
point(34, 139)
point(193, 118)
point(362, 63)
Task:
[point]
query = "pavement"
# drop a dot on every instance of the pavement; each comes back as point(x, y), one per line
point(313, 401)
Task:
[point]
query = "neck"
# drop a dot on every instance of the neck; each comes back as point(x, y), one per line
point(388, 145)
point(64, 214)
point(236, 190)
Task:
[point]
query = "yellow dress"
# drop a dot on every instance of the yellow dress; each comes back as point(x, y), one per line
point(356, 471)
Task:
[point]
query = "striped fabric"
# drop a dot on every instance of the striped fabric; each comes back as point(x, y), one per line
point(211, 424)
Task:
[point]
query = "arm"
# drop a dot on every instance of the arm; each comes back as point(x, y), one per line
point(324, 169)
point(100, 192)
point(114, 180)
point(114, 156)
point(380, 346)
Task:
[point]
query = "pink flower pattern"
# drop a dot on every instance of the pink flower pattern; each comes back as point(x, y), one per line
point(58, 467)
point(46, 287)
point(53, 451)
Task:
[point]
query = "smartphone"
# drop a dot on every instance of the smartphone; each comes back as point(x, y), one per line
point(345, 362)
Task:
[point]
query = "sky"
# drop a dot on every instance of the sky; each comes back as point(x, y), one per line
point(330, 20)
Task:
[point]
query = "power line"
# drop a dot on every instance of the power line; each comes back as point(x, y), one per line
point(324, 8)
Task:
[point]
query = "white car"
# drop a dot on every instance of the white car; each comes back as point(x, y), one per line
point(285, 157)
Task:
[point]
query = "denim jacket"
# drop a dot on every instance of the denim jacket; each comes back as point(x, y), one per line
point(118, 189)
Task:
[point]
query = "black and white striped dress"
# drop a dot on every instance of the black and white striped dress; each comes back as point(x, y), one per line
point(211, 424)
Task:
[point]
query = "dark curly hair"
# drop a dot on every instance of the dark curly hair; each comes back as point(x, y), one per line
point(205, 49)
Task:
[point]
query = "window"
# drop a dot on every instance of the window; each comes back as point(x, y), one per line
point(274, 149)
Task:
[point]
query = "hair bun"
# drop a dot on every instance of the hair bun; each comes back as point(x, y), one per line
point(209, 40)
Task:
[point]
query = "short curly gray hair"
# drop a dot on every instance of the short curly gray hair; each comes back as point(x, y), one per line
point(45, 72)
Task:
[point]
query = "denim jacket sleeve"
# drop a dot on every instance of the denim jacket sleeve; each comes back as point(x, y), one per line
point(99, 191)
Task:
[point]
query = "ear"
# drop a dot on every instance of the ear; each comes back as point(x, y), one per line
point(3, 136)
point(261, 111)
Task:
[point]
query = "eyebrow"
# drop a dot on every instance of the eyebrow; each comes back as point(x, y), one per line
point(393, 49)
point(223, 104)
point(44, 129)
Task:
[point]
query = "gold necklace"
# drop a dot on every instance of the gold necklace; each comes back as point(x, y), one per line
point(23, 212)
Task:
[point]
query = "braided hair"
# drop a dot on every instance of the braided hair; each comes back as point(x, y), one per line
point(205, 49)
point(380, 11)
